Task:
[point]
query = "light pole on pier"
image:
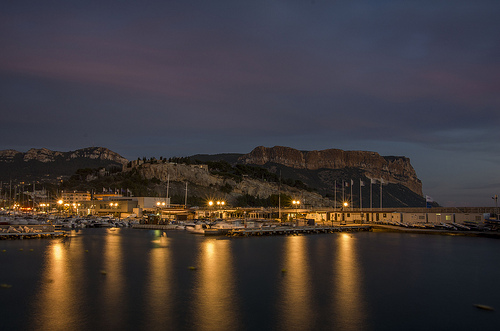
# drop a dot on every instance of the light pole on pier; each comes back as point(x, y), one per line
point(296, 203)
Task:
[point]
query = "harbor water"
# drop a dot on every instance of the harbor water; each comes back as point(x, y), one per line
point(130, 279)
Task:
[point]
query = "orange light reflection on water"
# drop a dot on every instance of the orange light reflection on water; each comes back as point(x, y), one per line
point(55, 306)
point(159, 297)
point(295, 312)
point(215, 305)
point(348, 296)
point(113, 280)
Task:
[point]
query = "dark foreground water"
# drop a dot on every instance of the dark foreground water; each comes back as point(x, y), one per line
point(126, 279)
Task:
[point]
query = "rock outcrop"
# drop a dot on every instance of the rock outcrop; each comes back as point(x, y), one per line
point(390, 169)
point(97, 153)
point(8, 155)
point(199, 175)
point(45, 155)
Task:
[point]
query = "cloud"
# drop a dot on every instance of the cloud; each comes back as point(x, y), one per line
point(416, 78)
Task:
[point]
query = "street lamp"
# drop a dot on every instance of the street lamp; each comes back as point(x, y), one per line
point(60, 203)
point(220, 204)
point(296, 203)
point(159, 207)
point(210, 205)
point(113, 205)
point(345, 205)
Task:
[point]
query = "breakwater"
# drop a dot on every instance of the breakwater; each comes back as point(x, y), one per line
point(29, 231)
point(273, 231)
point(262, 231)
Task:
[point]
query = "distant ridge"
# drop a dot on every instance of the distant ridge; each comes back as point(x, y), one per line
point(327, 174)
point(332, 172)
point(369, 165)
point(47, 164)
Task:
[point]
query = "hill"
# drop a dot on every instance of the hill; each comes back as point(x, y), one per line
point(323, 178)
point(44, 164)
point(333, 173)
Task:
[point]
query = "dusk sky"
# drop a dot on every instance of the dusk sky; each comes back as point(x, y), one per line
point(414, 78)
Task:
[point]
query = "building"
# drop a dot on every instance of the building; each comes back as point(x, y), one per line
point(75, 197)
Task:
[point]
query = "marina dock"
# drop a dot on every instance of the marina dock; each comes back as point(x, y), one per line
point(273, 231)
point(29, 232)
point(155, 226)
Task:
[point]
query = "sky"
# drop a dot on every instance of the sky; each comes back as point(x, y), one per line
point(419, 79)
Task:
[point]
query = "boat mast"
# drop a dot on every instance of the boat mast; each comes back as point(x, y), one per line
point(279, 198)
point(168, 184)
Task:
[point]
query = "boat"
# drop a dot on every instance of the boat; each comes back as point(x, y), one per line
point(197, 229)
point(460, 226)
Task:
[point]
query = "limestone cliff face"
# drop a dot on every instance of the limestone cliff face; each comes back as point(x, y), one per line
point(175, 172)
point(97, 153)
point(390, 169)
point(200, 176)
point(46, 155)
point(8, 155)
point(43, 155)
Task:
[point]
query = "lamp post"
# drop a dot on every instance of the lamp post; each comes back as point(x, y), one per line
point(159, 207)
point(220, 204)
point(115, 206)
point(60, 203)
point(345, 205)
point(296, 203)
point(210, 206)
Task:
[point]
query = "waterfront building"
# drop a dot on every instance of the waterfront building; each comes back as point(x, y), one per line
point(75, 197)
point(106, 196)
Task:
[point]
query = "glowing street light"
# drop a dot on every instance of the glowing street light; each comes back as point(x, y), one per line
point(296, 203)
point(60, 203)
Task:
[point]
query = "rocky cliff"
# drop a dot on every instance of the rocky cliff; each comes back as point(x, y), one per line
point(44, 164)
point(46, 155)
point(209, 184)
point(390, 169)
point(9, 155)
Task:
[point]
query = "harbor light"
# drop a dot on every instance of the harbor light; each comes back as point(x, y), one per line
point(296, 203)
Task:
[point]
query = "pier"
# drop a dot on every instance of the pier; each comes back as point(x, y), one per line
point(29, 232)
point(274, 231)
point(57, 234)
point(155, 226)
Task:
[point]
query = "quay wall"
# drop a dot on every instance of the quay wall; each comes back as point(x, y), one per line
point(40, 228)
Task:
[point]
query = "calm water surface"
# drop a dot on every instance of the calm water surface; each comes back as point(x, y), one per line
point(126, 279)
